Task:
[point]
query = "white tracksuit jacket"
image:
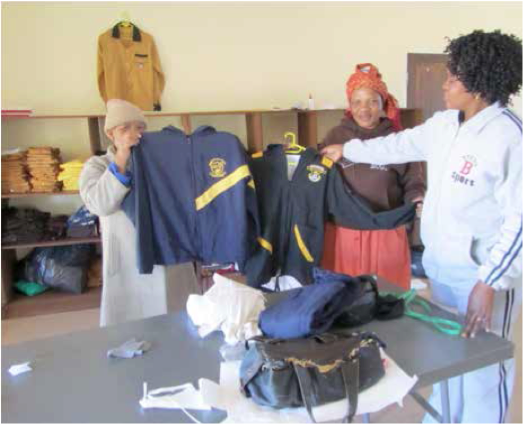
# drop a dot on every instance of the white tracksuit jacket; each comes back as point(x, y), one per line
point(472, 215)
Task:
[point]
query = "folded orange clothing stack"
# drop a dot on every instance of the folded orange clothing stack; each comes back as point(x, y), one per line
point(15, 178)
point(44, 167)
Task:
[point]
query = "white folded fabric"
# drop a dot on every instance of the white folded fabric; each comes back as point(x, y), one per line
point(228, 306)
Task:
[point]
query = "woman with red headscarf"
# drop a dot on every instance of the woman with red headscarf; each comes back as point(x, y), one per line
point(372, 112)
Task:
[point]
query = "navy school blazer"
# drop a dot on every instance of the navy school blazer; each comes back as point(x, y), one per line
point(192, 198)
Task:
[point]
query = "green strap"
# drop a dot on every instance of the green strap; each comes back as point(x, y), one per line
point(441, 324)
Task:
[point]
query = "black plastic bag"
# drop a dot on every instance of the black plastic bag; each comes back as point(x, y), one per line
point(63, 268)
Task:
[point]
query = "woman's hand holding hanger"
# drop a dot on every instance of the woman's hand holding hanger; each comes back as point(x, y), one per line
point(333, 152)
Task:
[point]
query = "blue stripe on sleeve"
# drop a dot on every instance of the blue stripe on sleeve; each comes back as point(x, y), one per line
point(514, 119)
point(505, 256)
point(503, 271)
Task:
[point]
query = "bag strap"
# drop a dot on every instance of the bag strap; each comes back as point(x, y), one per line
point(411, 299)
point(350, 373)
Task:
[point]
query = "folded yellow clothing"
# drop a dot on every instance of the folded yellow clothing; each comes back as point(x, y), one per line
point(62, 177)
point(71, 171)
point(71, 168)
point(70, 183)
point(72, 164)
point(69, 174)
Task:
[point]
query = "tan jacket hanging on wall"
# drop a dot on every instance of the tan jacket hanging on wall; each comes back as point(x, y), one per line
point(128, 67)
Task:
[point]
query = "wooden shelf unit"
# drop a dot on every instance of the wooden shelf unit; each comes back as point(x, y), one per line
point(51, 243)
point(39, 193)
point(17, 306)
point(52, 302)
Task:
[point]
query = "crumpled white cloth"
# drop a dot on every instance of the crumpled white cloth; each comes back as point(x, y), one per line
point(228, 306)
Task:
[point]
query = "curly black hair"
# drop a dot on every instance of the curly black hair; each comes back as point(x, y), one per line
point(488, 64)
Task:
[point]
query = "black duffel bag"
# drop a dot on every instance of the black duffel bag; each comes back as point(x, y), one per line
point(311, 371)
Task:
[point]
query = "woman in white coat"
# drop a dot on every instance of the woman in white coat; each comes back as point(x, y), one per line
point(472, 218)
point(104, 182)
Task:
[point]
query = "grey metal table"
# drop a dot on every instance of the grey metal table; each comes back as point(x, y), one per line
point(434, 357)
point(73, 380)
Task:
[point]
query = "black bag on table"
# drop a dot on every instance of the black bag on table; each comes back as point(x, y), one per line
point(311, 371)
point(366, 304)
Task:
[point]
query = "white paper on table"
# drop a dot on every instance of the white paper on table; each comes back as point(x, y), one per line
point(184, 396)
point(20, 368)
point(392, 388)
point(215, 395)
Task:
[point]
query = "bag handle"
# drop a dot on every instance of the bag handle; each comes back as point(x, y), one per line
point(372, 280)
point(350, 373)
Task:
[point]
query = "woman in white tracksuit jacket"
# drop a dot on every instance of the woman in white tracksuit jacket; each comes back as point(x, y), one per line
point(472, 216)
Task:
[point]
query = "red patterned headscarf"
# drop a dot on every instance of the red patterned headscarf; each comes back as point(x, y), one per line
point(367, 75)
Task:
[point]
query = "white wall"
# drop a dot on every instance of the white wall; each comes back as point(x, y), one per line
point(228, 56)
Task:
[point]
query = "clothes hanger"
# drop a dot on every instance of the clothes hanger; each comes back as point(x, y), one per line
point(293, 148)
point(125, 21)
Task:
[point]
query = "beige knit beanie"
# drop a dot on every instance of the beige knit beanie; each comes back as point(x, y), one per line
point(120, 111)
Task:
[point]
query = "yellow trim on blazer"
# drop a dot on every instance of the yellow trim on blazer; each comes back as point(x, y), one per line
point(221, 186)
point(266, 244)
point(302, 246)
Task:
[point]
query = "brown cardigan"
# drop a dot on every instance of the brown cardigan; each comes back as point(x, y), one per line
point(386, 187)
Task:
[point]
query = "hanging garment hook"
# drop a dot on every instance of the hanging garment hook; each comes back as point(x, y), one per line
point(293, 147)
point(125, 20)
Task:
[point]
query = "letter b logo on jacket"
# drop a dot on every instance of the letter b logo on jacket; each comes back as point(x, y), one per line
point(468, 164)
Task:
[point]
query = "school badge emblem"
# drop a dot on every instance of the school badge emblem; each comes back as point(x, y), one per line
point(217, 166)
point(315, 172)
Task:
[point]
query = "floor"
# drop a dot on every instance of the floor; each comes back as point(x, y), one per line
point(31, 328)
